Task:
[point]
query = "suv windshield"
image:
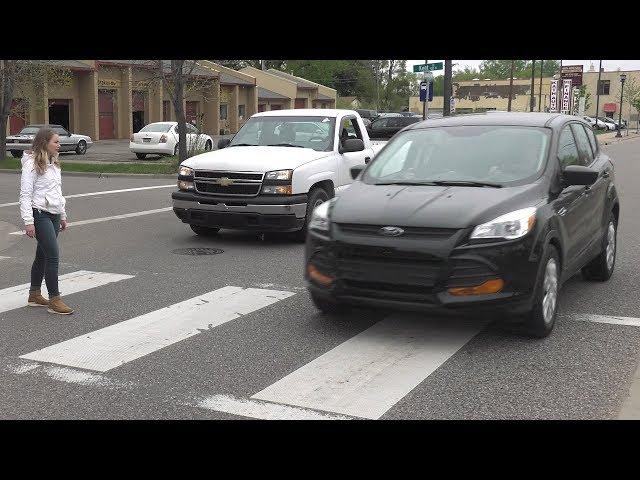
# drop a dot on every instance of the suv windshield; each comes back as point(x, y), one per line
point(29, 131)
point(157, 127)
point(307, 132)
point(493, 155)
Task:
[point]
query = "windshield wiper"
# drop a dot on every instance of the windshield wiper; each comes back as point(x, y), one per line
point(463, 183)
point(285, 145)
point(243, 145)
point(406, 183)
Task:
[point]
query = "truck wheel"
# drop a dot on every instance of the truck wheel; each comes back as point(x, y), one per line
point(204, 231)
point(141, 156)
point(540, 320)
point(601, 267)
point(316, 197)
point(328, 307)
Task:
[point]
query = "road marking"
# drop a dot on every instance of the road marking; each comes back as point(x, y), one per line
point(105, 192)
point(371, 372)
point(16, 297)
point(115, 345)
point(634, 322)
point(1, 257)
point(106, 219)
point(263, 410)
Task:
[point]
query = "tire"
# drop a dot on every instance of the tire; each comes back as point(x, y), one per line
point(601, 268)
point(81, 148)
point(208, 146)
point(539, 322)
point(204, 231)
point(16, 153)
point(141, 156)
point(328, 307)
point(316, 197)
point(175, 150)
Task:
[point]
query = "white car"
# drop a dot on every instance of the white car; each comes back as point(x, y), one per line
point(69, 142)
point(599, 124)
point(161, 138)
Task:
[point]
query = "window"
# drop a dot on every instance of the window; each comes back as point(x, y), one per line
point(241, 111)
point(381, 123)
point(223, 111)
point(584, 147)
point(395, 122)
point(592, 140)
point(191, 129)
point(157, 127)
point(567, 150)
point(605, 85)
point(61, 131)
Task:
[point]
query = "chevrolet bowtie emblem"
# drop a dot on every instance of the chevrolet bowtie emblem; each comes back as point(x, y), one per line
point(225, 182)
point(391, 231)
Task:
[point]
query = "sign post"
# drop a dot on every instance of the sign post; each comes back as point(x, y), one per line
point(575, 101)
point(566, 96)
point(426, 93)
point(553, 99)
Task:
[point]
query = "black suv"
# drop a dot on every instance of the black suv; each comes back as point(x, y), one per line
point(475, 213)
point(387, 127)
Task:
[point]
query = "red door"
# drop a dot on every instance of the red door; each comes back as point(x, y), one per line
point(165, 111)
point(191, 113)
point(301, 103)
point(261, 107)
point(17, 121)
point(107, 120)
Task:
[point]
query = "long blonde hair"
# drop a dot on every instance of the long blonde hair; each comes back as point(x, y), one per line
point(40, 152)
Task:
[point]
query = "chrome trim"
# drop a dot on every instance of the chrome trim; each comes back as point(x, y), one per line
point(228, 174)
point(298, 209)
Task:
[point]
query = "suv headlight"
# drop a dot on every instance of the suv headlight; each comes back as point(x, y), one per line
point(509, 226)
point(185, 178)
point(320, 217)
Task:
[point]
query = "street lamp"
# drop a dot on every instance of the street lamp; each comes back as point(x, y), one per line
point(623, 77)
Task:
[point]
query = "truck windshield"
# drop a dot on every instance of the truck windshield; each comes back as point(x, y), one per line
point(287, 131)
point(490, 155)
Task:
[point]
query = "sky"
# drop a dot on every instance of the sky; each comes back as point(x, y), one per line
point(608, 65)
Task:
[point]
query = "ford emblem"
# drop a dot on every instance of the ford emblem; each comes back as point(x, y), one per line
point(391, 231)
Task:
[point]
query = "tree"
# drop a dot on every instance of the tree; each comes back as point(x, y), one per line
point(587, 97)
point(240, 64)
point(631, 94)
point(25, 80)
point(500, 69)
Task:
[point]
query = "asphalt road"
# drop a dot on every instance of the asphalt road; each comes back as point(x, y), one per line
point(182, 343)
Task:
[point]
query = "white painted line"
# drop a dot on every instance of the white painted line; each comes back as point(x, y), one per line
point(129, 340)
point(371, 372)
point(263, 410)
point(105, 192)
point(106, 219)
point(1, 257)
point(632, 321)
point(16, 297)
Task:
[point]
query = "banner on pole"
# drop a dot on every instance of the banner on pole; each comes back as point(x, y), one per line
point(553, 105)
point(575, 102)
point(566, 96)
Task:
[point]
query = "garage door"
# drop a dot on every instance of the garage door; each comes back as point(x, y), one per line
point(107, 118)
point(301, 103)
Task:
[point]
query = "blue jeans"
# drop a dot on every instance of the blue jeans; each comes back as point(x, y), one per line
point(45, 265)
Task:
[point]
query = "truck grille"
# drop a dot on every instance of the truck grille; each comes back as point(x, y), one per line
point(241, 184)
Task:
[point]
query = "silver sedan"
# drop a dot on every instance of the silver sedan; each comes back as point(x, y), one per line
point(69, 142)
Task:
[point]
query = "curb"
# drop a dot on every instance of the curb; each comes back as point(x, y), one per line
point(624, 138)
point(105, 175)
point(631, 406)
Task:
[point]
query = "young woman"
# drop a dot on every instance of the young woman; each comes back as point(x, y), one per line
point(42, 208)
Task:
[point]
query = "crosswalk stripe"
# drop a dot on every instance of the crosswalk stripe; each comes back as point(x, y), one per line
point(371, 372)
point(123, 342)
point(74, 282)
point(262, 410)
point(106, 219)
point(632, 321)
point(104, 192)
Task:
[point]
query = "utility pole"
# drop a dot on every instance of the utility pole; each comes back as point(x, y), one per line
point(262, 64)
point(540, 93)
point(598, 91)
point(532, 103)
point(513, 65)
point(446, 111)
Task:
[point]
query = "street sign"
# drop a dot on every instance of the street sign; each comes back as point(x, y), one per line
point(426, 91)
point(573, 73)
point(427, 67)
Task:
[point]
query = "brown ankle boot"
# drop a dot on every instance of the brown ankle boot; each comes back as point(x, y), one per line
point(37, 300)
point(56, 305)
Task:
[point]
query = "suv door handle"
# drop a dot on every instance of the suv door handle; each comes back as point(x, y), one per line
point(367, 160)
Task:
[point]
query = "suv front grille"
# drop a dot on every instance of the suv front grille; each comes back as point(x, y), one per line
point(409, 232)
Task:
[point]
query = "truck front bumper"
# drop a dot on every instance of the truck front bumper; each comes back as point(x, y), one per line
point(262, 213)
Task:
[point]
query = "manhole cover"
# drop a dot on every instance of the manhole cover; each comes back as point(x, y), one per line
point(197, 251)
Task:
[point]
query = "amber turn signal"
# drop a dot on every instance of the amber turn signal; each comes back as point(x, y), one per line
point(318, 276)
point(490, 286)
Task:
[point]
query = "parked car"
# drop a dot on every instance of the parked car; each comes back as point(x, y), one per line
point(161, 138)
point(410, 114)
point(69, 142)
point(598, 124)
point(387, 127)
point(367, 114)
point(366, 122)
point(388, 114)
point(614, 122)
point(473, 213)
point(278, 167)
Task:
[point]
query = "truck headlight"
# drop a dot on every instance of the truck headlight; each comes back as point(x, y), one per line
point(509, 226)
point(277, 189)
point(185, 178)
point(279, 175)
point(320, 217)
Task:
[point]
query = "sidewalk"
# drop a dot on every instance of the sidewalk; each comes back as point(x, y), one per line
point(610, 137)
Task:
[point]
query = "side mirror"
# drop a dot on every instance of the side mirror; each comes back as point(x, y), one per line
point(357, 170)
point(579, 175)
point(223, 142)
point(352, 145)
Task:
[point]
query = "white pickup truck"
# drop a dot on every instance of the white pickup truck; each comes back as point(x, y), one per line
point(278, 167)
